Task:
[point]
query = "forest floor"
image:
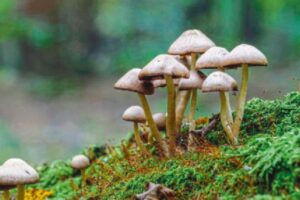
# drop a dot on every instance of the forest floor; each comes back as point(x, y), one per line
point(266, 164)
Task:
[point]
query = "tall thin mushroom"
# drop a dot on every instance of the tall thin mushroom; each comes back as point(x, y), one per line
point(221, 82)
point(136, 115)
point(213, 58)
point(190, 42)
point(168, 68)
point(81, 162)
point(194, 82)
point(243, 55)
point(16, 172)
point(131, 82)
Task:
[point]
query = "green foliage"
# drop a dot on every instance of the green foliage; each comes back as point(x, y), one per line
point(265, 167)
point(274, 160)
point(268, 117)
point(57, 178)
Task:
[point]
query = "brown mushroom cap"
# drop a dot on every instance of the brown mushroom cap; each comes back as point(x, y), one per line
point(134, 114)
point(212, 58)
point(190, 41)
point(160, 120)
point(194, 81)
point(245, 54)
point(16, 171)
point(130, 82)
point(219, 81)
point(161, 65)
point(80, 162)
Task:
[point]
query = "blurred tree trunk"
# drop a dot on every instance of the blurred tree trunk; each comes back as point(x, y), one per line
point(73, 37)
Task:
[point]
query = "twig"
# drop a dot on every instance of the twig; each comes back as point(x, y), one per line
point(205, 130)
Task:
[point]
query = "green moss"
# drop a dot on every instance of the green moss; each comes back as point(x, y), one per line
point(265, 166)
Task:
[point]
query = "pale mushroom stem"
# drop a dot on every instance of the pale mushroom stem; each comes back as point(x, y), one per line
point(183, 100)
point(6, 195)
point(228, 107)
point(138, 139)
point(226, 126)
point(83, 181)
point(154, 130)
point(193, 96)
point(171, 117)
point(21, 192)
point(241, 101)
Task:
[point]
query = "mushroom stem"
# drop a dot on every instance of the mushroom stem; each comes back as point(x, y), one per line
point(228, 109)
point(183, 100)
point(193, 96)
point(154, 130)
point(228, 106)
point(21, 192)
point(83, 181)
point(6, 195)
point(224, 119)
point(193, 109)
point(171, 117)
point(241, 101)
point(138, 139)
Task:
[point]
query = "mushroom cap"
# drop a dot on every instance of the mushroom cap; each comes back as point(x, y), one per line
point(130, 82)
point(245, 54)
point(160, 120)
point(219, 81)
point(194, 81)
point(80, 162)
point(212, 58)
point(162, 82)
point(134, 114)
point(161, 65)
point(16, 171)
point(190, 41)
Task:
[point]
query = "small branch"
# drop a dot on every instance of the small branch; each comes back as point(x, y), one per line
point(205, 130)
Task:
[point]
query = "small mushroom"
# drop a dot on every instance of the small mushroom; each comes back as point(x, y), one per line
point(16, 172)
point(131, 82)
point(221, 82)
point(195, 81)
point(160, 121)
point(81, 162)
point(168, 68)
point(136, 115)
point(243, 55)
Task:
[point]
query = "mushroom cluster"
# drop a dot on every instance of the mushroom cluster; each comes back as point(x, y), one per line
point(179, 71)
point(16, 173)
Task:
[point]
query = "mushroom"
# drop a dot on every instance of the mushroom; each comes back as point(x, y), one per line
point(167, 67)
point(190, 42)
point(160, 121)
point(193, 82)
point(81, 162)
point(131, 82)
point(213, 58)
point(16, 172)
point(243, 55)
point(221, 82)
point(136, 115)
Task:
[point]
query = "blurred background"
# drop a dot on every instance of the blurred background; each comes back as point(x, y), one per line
point(59, 60)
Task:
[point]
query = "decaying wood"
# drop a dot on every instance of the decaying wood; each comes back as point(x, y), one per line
point(156, 192)
point(212, 124)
